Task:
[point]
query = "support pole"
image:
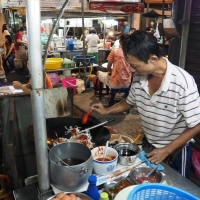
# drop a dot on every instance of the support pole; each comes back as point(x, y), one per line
point(83, 27)
point(185, 30)
point(37, 96)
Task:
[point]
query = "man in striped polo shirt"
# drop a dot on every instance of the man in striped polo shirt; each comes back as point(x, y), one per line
point(167, 100)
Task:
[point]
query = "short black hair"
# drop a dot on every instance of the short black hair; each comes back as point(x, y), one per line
point(9, 39)
point(141, 45)
point(21, 29)
point(122, 37)
point(92, 30)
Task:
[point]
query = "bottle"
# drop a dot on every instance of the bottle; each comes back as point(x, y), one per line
point(104, 196)
point(92, 190)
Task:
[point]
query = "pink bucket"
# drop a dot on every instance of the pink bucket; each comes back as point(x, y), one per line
point(69, 82)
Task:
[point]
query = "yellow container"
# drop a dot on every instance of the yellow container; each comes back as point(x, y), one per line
point(53, 63)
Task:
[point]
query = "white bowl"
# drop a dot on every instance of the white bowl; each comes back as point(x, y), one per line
point(104, 167)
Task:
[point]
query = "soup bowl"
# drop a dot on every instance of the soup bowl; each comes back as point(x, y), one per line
point(104, 166)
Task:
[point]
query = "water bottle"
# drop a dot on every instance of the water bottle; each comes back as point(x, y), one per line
point(104, 196)
point(92, 190)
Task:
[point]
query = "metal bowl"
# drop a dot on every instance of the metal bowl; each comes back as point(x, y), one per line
point(127, 153)
point(78, 194)
point(137, 175)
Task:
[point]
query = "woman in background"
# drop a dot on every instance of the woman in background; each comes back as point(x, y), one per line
point(9, 55)
point(119, 76)
point(5, 30)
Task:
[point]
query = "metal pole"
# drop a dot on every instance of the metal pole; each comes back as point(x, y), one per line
point(185, 30)
point(147, 20)
point(163, 15)
point(37, 95)
point(53, 29)
point(83, 27)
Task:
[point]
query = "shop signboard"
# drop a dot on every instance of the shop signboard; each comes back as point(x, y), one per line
point(158, 1)
point(127, 6)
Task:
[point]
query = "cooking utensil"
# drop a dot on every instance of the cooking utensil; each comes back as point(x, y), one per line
point(118, 172)
point(127, 153)
point(95, 126)
point(137, 175)
point(112, 184)
point(60, 159)
point(106, 149)
point(152, 171)
point(78, 156)
point(86, 116)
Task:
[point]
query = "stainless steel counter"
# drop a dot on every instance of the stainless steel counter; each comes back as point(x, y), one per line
point(180, 182)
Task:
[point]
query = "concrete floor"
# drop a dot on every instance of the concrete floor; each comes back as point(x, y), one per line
point(126, 124)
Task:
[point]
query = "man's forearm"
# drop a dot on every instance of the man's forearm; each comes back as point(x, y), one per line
point(119, 107)
point(186, 136)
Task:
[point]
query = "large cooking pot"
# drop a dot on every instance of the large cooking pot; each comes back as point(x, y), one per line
point(73, 177)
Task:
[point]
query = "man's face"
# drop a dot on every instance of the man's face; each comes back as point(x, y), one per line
point(140, 67)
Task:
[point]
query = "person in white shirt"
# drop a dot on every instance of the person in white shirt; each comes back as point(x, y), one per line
point(167, 100)
point(92, 40)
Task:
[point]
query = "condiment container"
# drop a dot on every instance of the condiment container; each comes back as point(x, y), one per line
point(92, 190)
point(104, 196)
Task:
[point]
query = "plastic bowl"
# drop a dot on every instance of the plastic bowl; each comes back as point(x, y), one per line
point(88, 59)
point(104, 167)
point(53, 63)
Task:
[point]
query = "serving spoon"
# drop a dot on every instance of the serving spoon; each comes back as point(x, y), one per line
point(86, 116)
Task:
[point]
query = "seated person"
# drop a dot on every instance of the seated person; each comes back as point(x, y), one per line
point(120, 75)
point(27, 87)
point(9, 55)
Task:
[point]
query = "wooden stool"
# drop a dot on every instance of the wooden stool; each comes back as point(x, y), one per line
point(113, 93)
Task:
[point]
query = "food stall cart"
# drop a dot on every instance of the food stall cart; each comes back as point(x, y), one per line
point(37, 97)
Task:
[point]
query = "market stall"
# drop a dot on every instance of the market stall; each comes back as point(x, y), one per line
point(72, 177)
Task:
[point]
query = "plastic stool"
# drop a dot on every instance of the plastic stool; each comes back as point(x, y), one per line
point(98, 88)
point(113, 93)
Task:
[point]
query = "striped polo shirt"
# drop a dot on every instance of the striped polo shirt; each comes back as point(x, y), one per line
point(169, 111)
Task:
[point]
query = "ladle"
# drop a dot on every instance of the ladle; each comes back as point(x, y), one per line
point(60, 159)
point(149, 174)
point(86, 116)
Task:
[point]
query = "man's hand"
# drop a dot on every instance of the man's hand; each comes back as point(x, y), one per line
point(17, 85)
point(157, 155)
point(98, 107)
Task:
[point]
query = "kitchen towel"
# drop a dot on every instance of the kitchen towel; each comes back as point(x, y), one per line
point(142, 156)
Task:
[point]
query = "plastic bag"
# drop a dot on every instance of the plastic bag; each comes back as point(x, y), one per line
point(169, 29)
point(157, 34)
point(196, 163)
point(80, 85)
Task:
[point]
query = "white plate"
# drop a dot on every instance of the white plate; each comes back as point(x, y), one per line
point(123, 194)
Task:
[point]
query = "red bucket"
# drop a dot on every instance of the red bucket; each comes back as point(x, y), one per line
point(69, 82)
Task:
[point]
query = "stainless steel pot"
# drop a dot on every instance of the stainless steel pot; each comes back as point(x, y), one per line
point(127, 153)
point(72, 178)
